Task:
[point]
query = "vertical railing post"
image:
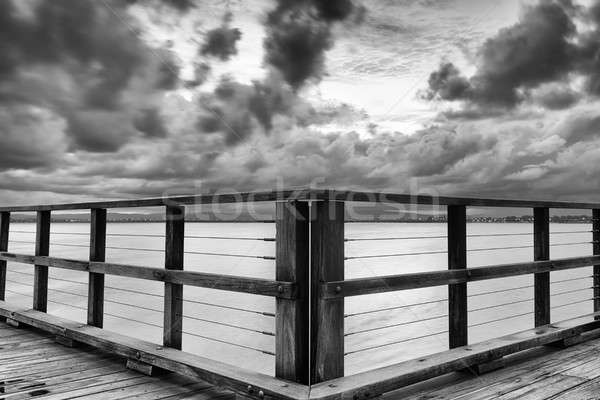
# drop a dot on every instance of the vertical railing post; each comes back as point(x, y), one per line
point(457, 293)
point(596, 251)
point(42, 248)
point(173, 314)
point(292, 315)
point(4, 229)
point(541, 251)
point(327, 315)
point(95, 312)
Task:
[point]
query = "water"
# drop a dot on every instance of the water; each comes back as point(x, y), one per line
point(68, 289)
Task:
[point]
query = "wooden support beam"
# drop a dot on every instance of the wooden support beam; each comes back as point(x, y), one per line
point(95, 311)
point(65, 341)
point(4, 230)
point(143, 368)
point(486, 367)
point(541, 251)
point(327, 315)
point(292, 315)
point(596, 248)
point(42, 248)
point(457, 293)
point(173, 314)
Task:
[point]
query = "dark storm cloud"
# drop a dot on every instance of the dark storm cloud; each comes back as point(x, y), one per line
point(95, 55)
point(298, 35)
point(221, 42)
point(536, 50)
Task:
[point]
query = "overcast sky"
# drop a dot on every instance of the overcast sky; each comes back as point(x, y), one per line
point(126, 98)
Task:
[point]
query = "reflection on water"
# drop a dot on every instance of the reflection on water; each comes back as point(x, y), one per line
point(134, 307)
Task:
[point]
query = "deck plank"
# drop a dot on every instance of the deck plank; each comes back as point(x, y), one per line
point(32, 365)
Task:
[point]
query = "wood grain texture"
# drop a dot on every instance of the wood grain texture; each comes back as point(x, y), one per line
point(232, 283)
point(4, 235)
point(327, 315)
point(391, 283)
point(173, 301)
point(42, 248)
point(292, 315)
point(457, 293)
point(541, 249)
point(196, 367)
point(596, 249)
point(95, 311)
point(382, 380)
point(308, 194)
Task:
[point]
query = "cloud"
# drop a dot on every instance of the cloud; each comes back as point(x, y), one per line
point(221, 42)
point(298, 35)
point(61, 56)
point(541, 48)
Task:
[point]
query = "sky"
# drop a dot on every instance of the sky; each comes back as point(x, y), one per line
point(141, 98)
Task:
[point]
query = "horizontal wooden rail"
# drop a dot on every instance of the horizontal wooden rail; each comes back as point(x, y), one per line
point(246, 197)
point(264, 287)
point(250, 384)
point(391, 283)
point(305, 194)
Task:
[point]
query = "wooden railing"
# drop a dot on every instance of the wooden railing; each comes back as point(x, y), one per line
point(309, 289)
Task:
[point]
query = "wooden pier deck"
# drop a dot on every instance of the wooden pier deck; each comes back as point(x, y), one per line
point(543, 373)
point(33, 365)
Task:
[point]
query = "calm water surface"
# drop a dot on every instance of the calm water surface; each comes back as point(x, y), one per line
point(137, 310)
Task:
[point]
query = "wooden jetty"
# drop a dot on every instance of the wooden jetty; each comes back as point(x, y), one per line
point(309, 290)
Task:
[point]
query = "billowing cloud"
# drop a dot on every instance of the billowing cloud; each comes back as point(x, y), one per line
point(60, 56)
point(533, 60)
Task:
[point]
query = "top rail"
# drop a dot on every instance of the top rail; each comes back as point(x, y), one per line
point(305, 194)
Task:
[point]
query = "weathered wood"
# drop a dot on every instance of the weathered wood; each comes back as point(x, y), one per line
point(391, 283)
point(95, 310)
point(65, 341)
point(143, 368)
point(541, 248)
point(42, 248)
point(264, 287)
point(309, 194)
point(487, 367)
point(327, 315)
point(197, 367)
point(4, 233)
point(217, 198)
point(596, 249)
point(292, 316)
point(12, 322)
point(173, 302)
point(457, 293)
point(387, 379)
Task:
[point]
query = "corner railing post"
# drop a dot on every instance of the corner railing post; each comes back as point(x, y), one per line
point(457, 293)
point(327, 315)
point(4, 229)
point(596, 247)
point(292, 315)
point(42, 248)
point(173, 313)
point(95, 312)
point(541, 251)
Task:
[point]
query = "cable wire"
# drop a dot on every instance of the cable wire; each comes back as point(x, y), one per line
point(395, 325)
point(500, 291)
point(395, 255)
point(229, 325)
point(501, 305)
point(500, 319)
point(393, 343)
point(394, 308)
point(229, 343)
point(268, 314)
